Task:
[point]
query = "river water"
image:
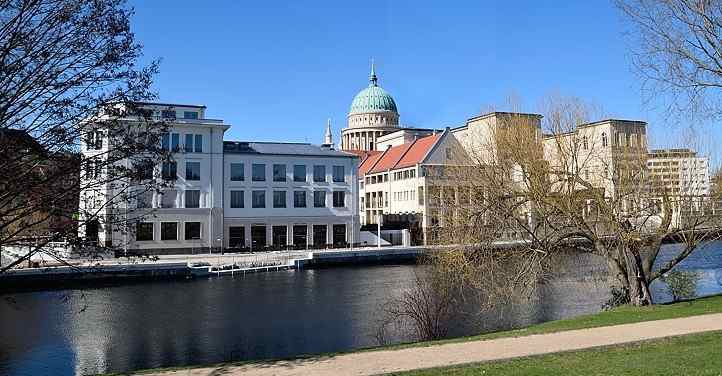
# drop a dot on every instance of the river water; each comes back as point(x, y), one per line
point(120, 328)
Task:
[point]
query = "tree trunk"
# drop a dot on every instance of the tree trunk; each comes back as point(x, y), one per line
point(639, 293)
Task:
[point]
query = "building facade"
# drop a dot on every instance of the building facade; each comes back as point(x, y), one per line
point(216, 194)
point(610, 154)
point(288, 195)
point(680, 172)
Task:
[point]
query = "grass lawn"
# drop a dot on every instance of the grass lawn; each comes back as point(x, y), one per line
point(695, 354)
point(617, 316)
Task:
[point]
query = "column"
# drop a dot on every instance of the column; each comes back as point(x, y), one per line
point(289, 235)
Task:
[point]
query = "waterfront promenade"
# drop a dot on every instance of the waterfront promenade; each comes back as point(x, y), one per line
point(407, 359)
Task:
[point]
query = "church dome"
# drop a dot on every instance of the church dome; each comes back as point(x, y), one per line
point(373, 99)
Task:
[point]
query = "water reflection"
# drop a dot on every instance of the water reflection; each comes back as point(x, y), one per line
point(280, 314)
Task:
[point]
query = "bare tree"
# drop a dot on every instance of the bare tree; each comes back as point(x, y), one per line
point(677, 49)
point(66, 66)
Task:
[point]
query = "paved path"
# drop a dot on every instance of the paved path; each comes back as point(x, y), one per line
point(379, 362)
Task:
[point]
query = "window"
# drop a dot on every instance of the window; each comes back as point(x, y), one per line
point(145, 199)
point(190, 115)
point(167, 114)
point(338, 174)
point(319, 173)
point(319, 199)
point(193, 170)
point(279, 236)
point(259, 172)
point(236, 236)
point(299, 235)
point(169, 170)
point(192, 230)
point(237, 173)
point(193, 199)
point(299, 199)
point(165, 141)
point(94, 168)
point(585, 143)
point(279, 172)
point(258, 237)
point(168, 231)
point(258, 199)
point(299, 173)
point(199, 144)
point(175, 142)
point(339, 199)
point(188, 147)
point(279, 199)
point(339, 235)
point(319, 235)
point(168, 199)
point(94, 140)
point(144, 231)
point(604, 140)
point(237, 199)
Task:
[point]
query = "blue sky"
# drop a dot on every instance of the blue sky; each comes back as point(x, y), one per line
point(277, 70)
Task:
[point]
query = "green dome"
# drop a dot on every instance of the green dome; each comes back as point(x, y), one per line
point(373, 98)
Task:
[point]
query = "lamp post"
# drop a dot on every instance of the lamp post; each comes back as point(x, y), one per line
point(379, 218)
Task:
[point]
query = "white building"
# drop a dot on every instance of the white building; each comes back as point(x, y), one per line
point(680, 171)
point(227, 194)
point(288, 195)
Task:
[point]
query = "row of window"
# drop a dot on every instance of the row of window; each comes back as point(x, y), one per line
point(406, 174)
point(171, 114)
point(94, 140)
point(258, 173)
point(145, 231)
point(623, 139)
point(279, 235)
point(192, 199)
point(258, 199)
point(193, 143)
point(405, 195)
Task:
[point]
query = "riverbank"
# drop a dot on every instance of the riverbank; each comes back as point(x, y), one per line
point(181, 266)
point(621, 325)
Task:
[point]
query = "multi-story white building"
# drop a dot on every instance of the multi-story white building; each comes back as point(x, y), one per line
point(680, 171)
point(227, 194)
point(288, 195)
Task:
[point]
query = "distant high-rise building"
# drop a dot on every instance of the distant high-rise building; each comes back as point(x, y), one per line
point(681, 172)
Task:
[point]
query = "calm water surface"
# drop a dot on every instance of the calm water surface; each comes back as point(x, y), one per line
point(280, 314)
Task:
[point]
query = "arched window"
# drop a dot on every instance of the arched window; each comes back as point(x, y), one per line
point(604, 139)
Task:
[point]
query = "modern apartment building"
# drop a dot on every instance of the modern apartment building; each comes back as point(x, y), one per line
point(228, 194)
point(679, 172)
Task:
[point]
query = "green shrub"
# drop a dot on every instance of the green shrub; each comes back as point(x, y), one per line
point(682, 285)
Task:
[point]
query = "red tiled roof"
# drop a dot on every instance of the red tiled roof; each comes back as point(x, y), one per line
point(368, 161)
point(400, 156)
point(418, 151)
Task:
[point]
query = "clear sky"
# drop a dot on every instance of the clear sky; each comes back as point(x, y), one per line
point(276, 70)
